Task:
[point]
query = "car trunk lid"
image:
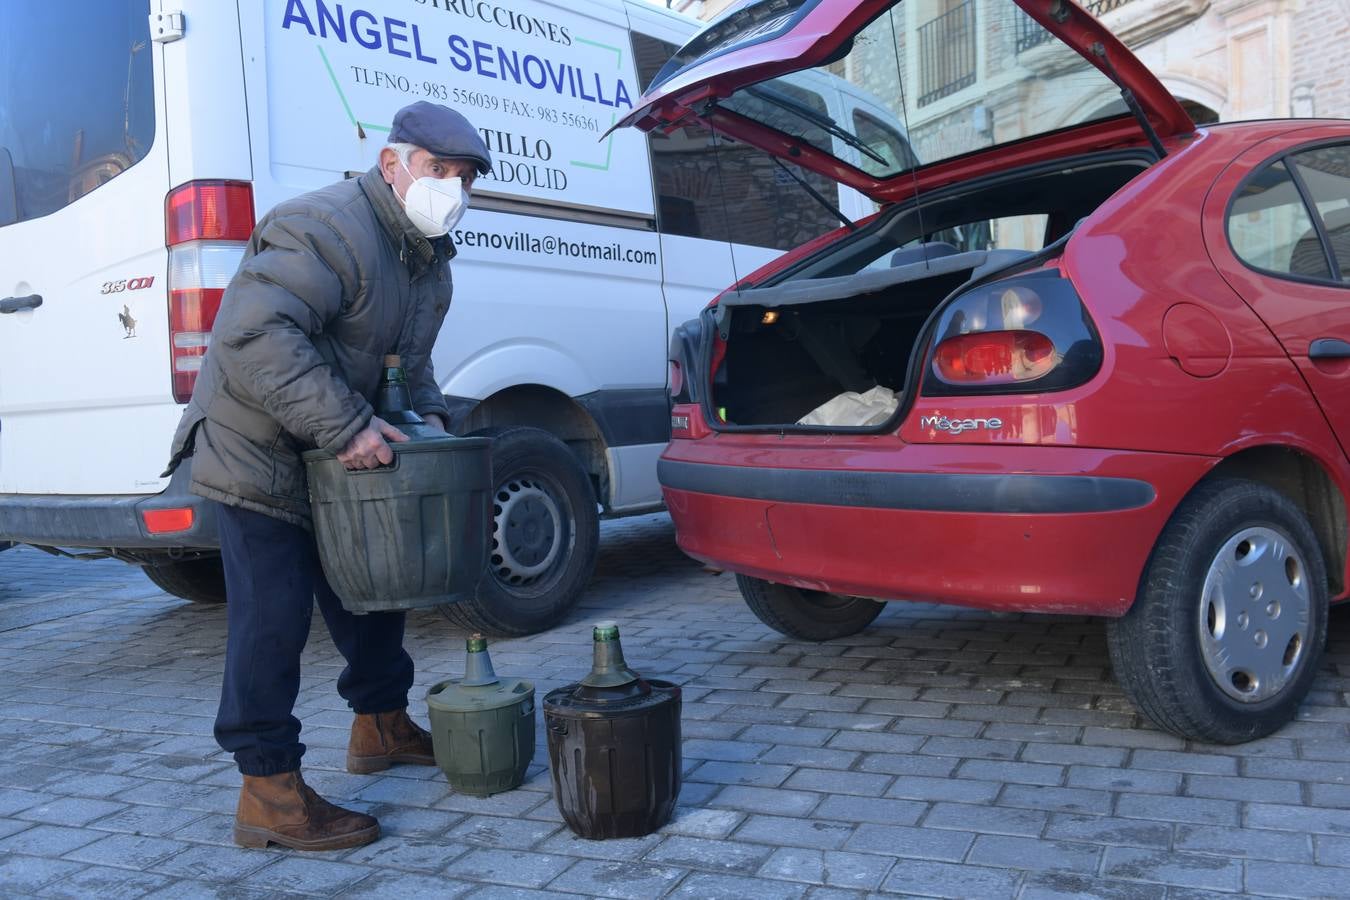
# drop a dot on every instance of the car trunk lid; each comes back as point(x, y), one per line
point(1054, 57)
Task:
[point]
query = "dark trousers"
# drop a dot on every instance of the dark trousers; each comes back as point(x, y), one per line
point(272, 581)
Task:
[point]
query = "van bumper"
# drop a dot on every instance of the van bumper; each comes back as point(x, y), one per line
point(111, 521)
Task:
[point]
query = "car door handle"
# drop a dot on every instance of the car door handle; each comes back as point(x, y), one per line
point(14, 304)
point(1329, 348)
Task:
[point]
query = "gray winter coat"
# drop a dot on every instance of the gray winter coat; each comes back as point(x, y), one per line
point(331, 282)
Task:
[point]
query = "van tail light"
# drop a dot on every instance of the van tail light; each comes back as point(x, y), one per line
point(167, 521)
point(209, 211)
point(1017, 335)
point(207, 226)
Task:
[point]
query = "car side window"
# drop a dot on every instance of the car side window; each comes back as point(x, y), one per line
point(884, 140)
point(712, 187)
point(1326, 176)
point(1270, 228)
point(1293, 217)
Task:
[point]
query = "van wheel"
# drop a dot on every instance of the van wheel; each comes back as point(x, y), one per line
point(1224, 639)
point(810, 615)
point(545, 533)
point(199, 580)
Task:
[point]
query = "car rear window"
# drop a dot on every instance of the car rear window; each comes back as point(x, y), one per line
point(952, 78)
point(712, 187)
point(77, 104)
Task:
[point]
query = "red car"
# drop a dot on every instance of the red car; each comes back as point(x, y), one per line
point(1095, 368)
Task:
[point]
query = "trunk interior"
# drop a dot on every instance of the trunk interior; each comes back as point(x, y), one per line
point(850, 320)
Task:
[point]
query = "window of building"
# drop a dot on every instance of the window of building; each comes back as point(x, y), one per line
point(77, 104)
point(709, 186)
point(947, 51)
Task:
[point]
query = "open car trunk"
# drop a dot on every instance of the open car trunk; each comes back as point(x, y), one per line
point(794, 347)
point(851, 320)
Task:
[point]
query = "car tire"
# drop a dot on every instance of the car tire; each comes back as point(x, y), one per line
point(1226, 634)
point(810, 615)
point(199, 580)
point(541, 560)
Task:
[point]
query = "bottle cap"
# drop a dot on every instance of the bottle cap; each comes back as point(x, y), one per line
point(393, 361)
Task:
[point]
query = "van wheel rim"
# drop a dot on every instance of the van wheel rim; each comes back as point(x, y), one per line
point(526, 530)
point(1255, 613)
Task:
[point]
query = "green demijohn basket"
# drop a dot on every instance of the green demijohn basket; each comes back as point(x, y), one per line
point(411, 534)
point(614, 746)
point(482, 726)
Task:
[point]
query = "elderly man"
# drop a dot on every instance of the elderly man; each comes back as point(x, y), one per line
point(331, 282)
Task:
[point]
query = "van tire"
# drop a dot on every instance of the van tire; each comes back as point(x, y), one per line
point(199, 580)
point(538, 476)
point(810, 615)
point(1183, 652)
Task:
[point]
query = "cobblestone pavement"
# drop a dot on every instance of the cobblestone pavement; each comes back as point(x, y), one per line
point(944, 752)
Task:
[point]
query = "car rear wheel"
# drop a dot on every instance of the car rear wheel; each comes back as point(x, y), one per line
point(1224, 639)
point(810, 615)
point(199, 580)
point(545, 534)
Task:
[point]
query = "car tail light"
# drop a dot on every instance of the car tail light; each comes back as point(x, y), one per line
point(1028, 333)
point(994, 357)
point(676, 380)
point(207, 225)
point(687, 422)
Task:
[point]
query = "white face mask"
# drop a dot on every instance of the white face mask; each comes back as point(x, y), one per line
point(435, 205)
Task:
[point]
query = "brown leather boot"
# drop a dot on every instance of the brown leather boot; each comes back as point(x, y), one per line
point(379, 740)
point(282, 809)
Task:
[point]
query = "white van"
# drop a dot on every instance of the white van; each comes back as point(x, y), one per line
point(141, 139)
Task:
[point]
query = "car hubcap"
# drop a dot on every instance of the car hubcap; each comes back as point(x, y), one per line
point(525, 528)
point(1254, 614)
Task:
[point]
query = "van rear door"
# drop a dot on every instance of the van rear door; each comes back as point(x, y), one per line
point(85, 404)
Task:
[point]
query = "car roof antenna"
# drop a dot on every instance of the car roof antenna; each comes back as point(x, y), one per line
point(904, 114)
point(1132, 102)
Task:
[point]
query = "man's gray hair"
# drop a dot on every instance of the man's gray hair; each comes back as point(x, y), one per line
point(404, 151)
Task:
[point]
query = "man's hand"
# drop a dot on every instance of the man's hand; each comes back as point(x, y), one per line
point(367, 449)
point(435, 421)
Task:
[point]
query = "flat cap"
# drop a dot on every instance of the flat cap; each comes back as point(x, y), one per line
point(441, 131)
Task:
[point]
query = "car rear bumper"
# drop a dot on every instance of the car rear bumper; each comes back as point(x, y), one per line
point(107, 521)
point(1028, 529)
